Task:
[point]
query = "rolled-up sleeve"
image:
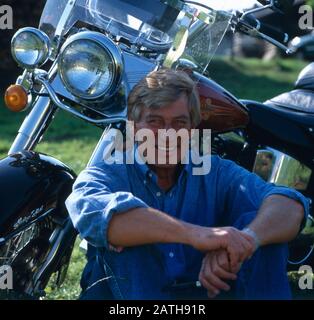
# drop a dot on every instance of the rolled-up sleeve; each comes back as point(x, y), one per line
point(244, 191)
point(94, 200)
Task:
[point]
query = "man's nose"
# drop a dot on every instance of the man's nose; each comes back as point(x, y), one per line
point(168, 126)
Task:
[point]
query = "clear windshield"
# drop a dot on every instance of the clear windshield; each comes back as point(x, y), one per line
point(132, 19)
point(204, 41)
point(153, 24)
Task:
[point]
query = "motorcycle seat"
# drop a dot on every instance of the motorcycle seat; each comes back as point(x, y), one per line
point(280, 126)
point(306, 78)
point(298, 100)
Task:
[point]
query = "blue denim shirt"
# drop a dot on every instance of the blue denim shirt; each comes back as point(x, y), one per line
point(218, 198)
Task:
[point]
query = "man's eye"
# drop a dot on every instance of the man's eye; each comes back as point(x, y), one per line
point(154, 121)
point(181, 123)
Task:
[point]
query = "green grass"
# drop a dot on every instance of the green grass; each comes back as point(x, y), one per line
point(256, 79)
point(70, 289)
point(72, 141)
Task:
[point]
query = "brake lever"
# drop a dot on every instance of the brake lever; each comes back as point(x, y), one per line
point(238, 24)
point(273, 41)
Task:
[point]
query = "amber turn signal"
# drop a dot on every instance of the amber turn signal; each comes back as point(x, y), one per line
point(16, 98)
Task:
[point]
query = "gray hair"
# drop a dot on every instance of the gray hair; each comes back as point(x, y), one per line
point(161, 88)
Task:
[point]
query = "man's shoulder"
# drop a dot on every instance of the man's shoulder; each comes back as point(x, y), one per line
point(109, 168)
point(104, 171)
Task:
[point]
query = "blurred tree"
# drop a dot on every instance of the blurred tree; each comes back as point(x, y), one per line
point(310, 2)
point(25, 14)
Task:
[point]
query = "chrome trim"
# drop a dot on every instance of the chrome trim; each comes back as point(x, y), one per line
point(179, 42)
point(25, 80)
point(274, 42)
point(46, 47)
point(259, 9)
point(63, 106)
point(259, 25)
point(61, 25)
point(279, 168)
point(185, 64)
point(110, 47)
point(65, 17)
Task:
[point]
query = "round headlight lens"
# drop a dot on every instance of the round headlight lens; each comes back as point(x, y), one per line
point(87, 69)
point(30, 48)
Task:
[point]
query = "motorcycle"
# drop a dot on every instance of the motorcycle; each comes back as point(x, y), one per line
point(84, 58)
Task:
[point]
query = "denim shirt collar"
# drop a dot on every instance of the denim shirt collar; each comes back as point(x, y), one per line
point(141, 166)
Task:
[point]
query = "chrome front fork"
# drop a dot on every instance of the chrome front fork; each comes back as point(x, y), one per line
point(34, 125)
point(37, 121)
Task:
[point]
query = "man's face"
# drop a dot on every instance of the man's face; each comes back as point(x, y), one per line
point(175, 116)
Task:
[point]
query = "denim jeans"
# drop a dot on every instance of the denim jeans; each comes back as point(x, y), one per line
point(264, 276)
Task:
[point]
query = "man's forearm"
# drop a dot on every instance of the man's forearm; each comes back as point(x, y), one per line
point(278, 220)
point(145, 226)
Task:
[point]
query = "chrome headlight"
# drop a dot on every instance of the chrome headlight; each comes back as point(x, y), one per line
point(90, 65)
point(30, 48)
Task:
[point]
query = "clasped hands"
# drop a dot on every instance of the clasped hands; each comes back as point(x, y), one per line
point(230, 248)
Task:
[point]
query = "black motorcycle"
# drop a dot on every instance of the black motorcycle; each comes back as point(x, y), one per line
point(84, 58)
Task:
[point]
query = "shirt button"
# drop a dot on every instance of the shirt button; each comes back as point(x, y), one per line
point(150, 174)
point(145, 182)
point(171, 254)
point(158, 194)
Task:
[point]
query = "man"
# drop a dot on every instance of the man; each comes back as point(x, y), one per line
point(155, 229)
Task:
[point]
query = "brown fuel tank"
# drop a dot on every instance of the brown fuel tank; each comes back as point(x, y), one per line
point(220, 110)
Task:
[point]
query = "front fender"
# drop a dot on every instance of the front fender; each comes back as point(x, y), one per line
point(30, 185)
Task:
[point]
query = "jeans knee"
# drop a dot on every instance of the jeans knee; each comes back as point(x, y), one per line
point(264, 276)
